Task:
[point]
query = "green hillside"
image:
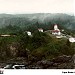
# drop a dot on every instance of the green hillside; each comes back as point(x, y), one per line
point(43, 19)
point(41, 45)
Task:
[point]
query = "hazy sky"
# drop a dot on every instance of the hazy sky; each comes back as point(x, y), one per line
point(36, 6)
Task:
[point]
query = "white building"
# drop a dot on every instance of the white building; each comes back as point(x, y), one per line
point(29, 33)
point(71, 39)
point(5, 35)
point(40, 30)
point(56, 27)
point(56, 31)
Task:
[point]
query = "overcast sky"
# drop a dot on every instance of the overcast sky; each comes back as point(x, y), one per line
point(36, 6)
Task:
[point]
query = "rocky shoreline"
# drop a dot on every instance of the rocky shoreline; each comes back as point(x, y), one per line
point(60, 62)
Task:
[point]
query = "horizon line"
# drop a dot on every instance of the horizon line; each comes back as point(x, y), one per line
point(39, 13)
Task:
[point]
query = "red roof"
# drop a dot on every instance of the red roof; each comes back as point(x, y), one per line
point(55, 31)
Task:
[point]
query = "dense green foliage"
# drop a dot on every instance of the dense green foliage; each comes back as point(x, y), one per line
point(39, 45)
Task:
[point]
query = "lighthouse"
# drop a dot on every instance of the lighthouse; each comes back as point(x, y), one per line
point(55, 27)
point(56, 31)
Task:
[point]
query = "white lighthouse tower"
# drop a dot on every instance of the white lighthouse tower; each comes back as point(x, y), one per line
point(55, 27)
